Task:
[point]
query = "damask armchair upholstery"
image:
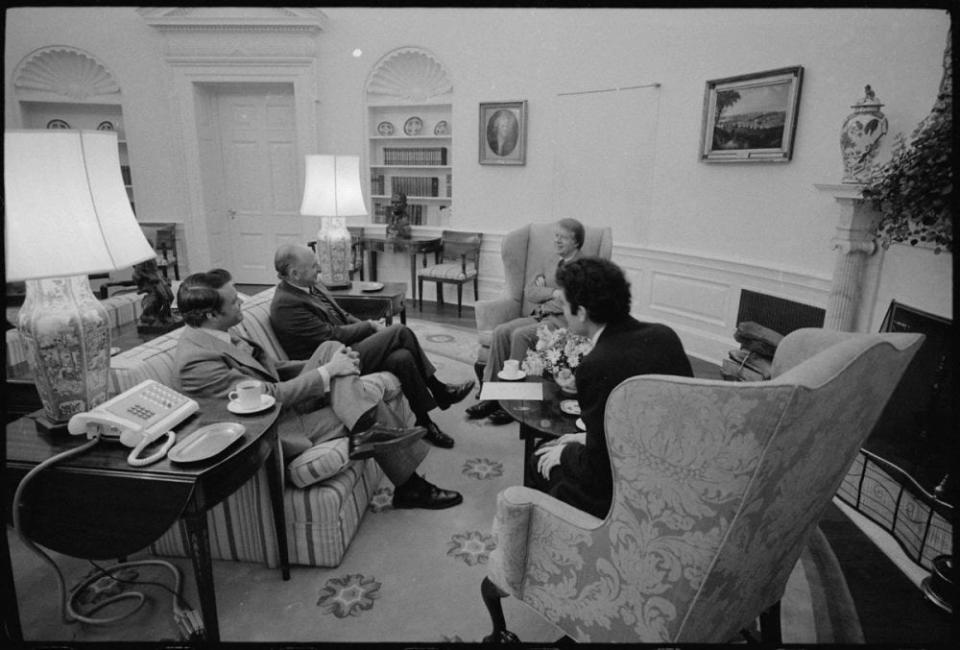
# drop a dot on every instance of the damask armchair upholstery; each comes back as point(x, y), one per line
point(717, 488)
point(522, 250)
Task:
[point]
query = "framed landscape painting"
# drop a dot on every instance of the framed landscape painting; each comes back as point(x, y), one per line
point(503, 133)
point(751, 117)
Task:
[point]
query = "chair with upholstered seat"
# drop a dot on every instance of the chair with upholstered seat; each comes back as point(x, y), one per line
point(522, 250)
point(717, 488)
point(457, 262)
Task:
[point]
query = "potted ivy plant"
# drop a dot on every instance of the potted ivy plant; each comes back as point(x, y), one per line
point(914, 189)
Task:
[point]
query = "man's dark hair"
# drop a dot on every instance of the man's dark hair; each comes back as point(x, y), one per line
point(198, 295)
point(574, 227)
point(597, 284)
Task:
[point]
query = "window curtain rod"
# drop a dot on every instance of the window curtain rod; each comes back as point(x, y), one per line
point(656, 84)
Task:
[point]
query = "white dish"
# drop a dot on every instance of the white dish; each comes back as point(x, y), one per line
point(385, 128)
point(370, 286)
point(580, 424)
point(507, 377)
point(266, 401)
point(206, 442)
point(570, 407)
point(413, 126)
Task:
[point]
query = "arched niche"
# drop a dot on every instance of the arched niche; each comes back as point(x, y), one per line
point(65, 74)
point(409, 74)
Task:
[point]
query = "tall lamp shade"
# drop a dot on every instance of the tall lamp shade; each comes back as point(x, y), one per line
point(67, 215)
point(332, 191)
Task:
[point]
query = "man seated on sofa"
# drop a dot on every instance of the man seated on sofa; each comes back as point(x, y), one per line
point(210, 361)
point(512, 339)
point(595, 296)
point(303, 315)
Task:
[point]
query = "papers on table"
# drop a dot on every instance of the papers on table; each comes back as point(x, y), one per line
point(512, 390)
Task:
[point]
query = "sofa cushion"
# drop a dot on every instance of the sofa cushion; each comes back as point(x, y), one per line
point(320, 462)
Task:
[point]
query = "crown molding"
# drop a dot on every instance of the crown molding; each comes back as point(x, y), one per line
point(234, 19)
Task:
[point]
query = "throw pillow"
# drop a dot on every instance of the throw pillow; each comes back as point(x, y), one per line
point(320, 462)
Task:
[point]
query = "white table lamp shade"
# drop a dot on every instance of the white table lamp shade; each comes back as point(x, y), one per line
point(67, 211)
point(332, 191)
point(66, 215)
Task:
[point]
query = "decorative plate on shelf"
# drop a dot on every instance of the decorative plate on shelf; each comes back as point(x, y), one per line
point(385, 128)
point(442, 128)
point(413, 126)
point(106, 125)
point(57, 124)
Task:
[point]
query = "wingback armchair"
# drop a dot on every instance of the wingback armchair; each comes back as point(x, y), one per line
point(718, 486)
point(522, 250)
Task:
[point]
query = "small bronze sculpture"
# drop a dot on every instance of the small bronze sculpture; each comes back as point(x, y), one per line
point(398, 222)
point(157, 314)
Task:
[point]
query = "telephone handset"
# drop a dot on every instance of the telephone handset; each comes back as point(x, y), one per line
point(137, 418)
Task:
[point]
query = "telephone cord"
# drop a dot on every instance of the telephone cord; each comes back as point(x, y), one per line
point(67, 612)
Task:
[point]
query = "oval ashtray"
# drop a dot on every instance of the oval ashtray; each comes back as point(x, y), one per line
point(206, 442)
point(570, 407)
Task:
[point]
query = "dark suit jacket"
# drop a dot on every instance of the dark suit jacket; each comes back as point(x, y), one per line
point(302, 322)
point(625, 348)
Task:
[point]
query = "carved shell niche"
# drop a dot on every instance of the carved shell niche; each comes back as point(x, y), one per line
point(410, 74)
point(65, 71)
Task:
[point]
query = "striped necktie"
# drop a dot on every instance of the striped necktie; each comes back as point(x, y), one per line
point(335, 313)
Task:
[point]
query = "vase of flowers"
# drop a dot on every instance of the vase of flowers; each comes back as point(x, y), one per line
point(556, 355)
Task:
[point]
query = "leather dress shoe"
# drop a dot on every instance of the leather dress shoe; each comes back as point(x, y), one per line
point(500, 416)
point(453, 393)
point(378, 439)
point(482, 409)
point(427, 496)
point(437, 437)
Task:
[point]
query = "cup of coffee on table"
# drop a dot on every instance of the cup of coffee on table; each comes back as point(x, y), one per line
point(511, 368)
point(247, 393)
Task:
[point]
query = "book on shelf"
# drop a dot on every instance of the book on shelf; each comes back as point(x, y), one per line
point(377, 184)
point(413, 156)
point(415, 185)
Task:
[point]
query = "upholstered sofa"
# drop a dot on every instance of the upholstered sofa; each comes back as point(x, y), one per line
point(325, 495)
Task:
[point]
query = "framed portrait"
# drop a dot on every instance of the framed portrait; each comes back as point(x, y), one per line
point(752, 117)
point(503, 133)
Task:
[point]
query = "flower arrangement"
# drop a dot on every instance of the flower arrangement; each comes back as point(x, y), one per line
point(557, 353)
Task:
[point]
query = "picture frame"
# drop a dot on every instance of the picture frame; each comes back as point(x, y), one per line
point(751, 117)
point(503, 133)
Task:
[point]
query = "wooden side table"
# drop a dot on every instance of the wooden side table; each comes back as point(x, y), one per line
point(96, 506)
point(384, 303)
point(375, 244)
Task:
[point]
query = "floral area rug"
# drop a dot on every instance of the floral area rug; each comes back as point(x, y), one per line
point(410, 576)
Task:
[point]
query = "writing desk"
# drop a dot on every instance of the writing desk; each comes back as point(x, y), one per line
point(96, 506)
point(416, 244)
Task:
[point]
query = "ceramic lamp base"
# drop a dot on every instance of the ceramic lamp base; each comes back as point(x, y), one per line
point(334, 252)
point(67, 334)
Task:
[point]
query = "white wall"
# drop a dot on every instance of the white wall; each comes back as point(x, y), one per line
point(709, 229)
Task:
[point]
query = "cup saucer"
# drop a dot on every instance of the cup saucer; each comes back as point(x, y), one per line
point(266, 401)
point(508, 377)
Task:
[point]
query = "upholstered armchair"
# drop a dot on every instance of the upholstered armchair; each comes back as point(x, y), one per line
point(522, 250)
point(717, 488)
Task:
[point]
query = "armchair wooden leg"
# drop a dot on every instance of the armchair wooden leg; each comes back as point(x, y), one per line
point(459, 300)
point(492, 597)
point(420, 293)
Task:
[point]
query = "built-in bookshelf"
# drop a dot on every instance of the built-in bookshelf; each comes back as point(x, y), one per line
point(410, 136)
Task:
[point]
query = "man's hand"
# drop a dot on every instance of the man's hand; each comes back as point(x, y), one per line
point(549, 457)
point(540, 281)
point(344, 362)
point(377, 325)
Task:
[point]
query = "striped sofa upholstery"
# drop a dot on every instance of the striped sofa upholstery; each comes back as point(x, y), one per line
point(321, 519)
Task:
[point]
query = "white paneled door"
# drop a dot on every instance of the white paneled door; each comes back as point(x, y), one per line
point(261, 183)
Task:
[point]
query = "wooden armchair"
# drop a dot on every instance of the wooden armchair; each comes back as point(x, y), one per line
point(718, 486)
point(457, 262)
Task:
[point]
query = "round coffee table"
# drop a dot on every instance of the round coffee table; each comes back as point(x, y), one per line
point(540, 419)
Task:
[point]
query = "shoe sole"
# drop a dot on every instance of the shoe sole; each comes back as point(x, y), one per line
point(361, 452)
point(443, 506)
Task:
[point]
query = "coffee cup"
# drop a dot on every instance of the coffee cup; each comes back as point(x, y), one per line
point(247, 393)
point(511, 368)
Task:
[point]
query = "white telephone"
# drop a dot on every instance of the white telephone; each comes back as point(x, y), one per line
point(137, 418)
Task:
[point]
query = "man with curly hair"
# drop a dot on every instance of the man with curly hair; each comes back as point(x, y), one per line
point(595, 296)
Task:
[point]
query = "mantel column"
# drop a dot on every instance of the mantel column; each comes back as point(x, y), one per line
point(854, 243)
